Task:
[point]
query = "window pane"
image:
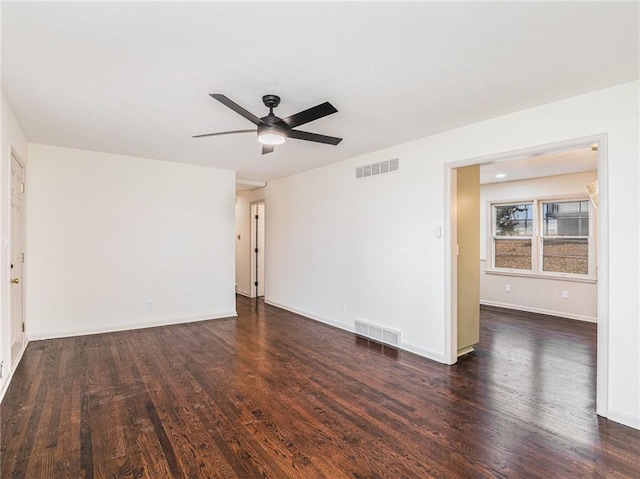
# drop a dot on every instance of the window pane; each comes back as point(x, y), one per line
point(566, 218)
point(512, 254)
point(566, 256)
point(513, 220)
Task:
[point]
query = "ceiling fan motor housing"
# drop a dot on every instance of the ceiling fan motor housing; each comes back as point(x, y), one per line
point(271, 101)
point(271, 122)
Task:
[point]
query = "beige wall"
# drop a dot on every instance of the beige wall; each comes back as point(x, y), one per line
point(468, 227)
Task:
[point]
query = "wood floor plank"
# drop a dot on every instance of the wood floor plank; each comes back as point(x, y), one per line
point(274, 395)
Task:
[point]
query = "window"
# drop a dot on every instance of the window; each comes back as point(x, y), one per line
point(543, 237)
point(513, 234)
point(565, 237)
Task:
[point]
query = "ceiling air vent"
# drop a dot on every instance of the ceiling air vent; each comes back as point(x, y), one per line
point(377, 169)
point(377, 333)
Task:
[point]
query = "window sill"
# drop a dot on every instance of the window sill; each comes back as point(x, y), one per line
point(557, 277)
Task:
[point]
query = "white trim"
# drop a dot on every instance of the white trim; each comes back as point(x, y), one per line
point(243, 293)
point(602, 255)
point(252, 246)
point(422, 352)
point(20, 354)
point(450, 267)
point(623, 417)
point(528, 309)
point(7, 381)
point(411, 348)
point(522, 153)
point(602, 238)
point(128, 327)
point(547, 276)
point(315, 317)
point(13, 153)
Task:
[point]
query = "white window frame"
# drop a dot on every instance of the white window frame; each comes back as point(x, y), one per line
point(537, 238)
point(494, 237)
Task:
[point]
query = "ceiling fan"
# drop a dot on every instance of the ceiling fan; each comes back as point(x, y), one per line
point(272, 130)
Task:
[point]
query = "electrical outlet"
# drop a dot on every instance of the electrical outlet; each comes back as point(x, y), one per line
point(148, 305)
point(1, 369)
point(344, 307)
point(565, 295)
point(508, 288)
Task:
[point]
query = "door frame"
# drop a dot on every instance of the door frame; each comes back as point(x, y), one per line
point(253, 259)
point(450, 230)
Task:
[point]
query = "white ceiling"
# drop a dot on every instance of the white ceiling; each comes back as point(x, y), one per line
point(538, 166)
point(248, 185)
point(133, 78)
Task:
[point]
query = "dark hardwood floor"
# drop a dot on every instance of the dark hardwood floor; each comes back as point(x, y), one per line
point(274, 395)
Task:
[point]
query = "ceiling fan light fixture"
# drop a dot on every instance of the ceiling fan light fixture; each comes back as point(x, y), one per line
point(273, 131)
point(270, 138)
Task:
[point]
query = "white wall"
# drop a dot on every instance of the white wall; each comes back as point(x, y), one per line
point(371, 244)
point(243, 246)
point(366, 246)
point(542, 295)
point(107, 233)
point(12, 137)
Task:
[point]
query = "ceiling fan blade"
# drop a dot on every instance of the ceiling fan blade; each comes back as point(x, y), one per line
point(237, 108)
point(305, 135)
point(224, 133)
point(311, 114)
point(267, 149)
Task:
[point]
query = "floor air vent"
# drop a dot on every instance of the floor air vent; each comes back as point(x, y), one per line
point(378, 333)
point(377, 169)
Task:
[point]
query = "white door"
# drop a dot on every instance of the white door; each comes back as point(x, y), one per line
point(17, 258)
point(260, 245)
point(257, 250)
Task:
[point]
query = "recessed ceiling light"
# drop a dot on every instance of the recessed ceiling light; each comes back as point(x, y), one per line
point(500, 175)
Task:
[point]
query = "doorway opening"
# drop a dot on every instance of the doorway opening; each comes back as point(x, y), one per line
point(257, 249)
point(539, 247)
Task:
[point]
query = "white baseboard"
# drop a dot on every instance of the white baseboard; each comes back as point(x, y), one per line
point(624, 417)
point(7, 381)
point(38, 336)
point(548, 312)
point(307, 314)
point(425, 353)
point(243, 293)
